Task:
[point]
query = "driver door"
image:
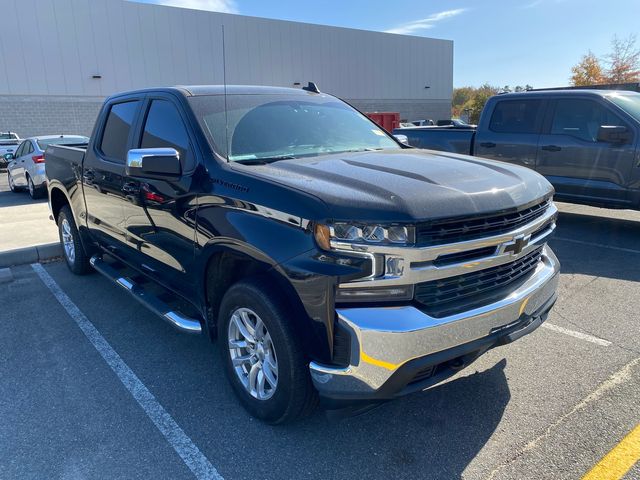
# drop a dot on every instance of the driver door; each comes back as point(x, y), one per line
point(572, 158)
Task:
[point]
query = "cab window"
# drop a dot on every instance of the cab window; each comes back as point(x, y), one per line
point(163, 128)
point(516, 116)
point(115, 136)
point(581, 118)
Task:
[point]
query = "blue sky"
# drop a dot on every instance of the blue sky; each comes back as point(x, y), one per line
point(497, 41)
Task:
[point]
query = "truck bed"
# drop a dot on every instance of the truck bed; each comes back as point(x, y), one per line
point(64, 163)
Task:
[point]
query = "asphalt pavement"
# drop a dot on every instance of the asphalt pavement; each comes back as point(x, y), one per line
point(23, 221)
point(549, 406)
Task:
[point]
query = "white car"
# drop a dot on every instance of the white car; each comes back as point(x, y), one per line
point(26, 168)
point(8, 143)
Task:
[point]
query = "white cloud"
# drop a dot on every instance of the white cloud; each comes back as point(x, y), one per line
point(426, 23)
point(533, 4)
point(226, 6)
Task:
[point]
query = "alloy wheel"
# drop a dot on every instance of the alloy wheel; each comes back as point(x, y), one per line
point(67, 241)
point(253, 355)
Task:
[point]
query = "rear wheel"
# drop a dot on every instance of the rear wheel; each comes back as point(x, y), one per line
point(34, 192)
point(262, 356)
point(75, 256)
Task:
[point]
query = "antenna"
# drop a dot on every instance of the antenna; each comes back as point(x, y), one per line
point(311, 87)
point(224, 81)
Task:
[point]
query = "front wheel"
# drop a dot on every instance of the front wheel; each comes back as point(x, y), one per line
point(12, 184)
point(262, 356)
point(75, 256)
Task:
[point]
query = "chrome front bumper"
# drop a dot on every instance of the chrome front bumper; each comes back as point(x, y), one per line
point(385, 339)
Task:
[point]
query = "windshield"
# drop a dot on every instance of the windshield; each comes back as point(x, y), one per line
point(8, 136)
point(273, 127)
point(43, 143)
point(630, 103)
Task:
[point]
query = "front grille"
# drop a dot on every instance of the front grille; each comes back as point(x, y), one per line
point(448, 296)
point(453, 230)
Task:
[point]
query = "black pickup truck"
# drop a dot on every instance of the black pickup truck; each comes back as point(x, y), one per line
point(329, 260)
point(585, 142)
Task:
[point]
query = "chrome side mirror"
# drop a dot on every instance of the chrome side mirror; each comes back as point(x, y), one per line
point(403, 139)
point(154, 163)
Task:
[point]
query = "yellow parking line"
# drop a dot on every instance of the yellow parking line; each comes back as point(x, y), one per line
point(615, 464)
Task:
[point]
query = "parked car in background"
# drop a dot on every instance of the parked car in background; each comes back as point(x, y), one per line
point(27, 169)
point(327, 258)
point(8, 144)
point(422, 123)
point(454, 122)
point(585, 142)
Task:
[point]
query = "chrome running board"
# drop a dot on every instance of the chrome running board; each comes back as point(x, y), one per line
point(149, 300)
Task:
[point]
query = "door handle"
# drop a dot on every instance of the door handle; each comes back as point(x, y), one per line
point(551, 148)
point(487, 144)
point(131, 188)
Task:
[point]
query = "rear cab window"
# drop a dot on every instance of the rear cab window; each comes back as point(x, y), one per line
point(117, 128)
point(517, 116)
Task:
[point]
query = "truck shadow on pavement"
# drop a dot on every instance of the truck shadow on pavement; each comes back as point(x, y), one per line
point(598, 246)
point(433, 434)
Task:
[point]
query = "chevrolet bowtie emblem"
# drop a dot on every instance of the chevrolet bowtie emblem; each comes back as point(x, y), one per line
point(517, 245)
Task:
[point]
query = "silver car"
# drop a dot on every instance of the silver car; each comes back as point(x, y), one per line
point(9, 141)
point(26, 168)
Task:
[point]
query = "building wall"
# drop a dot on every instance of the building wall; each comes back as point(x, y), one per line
point(131, 45)
point(30, 115)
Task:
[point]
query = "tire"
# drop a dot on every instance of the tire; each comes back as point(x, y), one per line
point(12, 186)
point(293, 395)
point(34, 192)
point(72, 251)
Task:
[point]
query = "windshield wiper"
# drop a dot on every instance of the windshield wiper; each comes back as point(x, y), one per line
point(264, 160)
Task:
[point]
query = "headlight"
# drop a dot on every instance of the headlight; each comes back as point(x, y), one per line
point(364, 234)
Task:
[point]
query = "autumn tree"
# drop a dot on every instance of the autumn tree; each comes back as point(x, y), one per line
point(623, 61)
point(587, 72)
point(471, 100)
point(622, 65)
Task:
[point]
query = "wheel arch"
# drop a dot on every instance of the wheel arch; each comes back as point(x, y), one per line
point(227, 266)
point(58, 199)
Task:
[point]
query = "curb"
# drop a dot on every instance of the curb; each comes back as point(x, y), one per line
point(38, 253)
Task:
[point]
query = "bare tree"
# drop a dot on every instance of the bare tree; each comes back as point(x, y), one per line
point(624, 61)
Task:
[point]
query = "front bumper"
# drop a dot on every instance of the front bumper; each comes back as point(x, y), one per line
point(397, 350)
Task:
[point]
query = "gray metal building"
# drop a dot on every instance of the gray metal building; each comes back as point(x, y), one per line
point(60, 58)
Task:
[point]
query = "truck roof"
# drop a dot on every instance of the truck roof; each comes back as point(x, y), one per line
point(197, 90)
point(568, 91)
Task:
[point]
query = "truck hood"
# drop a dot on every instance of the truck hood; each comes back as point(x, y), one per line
point(408, 185)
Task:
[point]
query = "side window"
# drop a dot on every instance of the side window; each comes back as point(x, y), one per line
point(116, 130)
point(581, 118)
point(516, 116)
point(28, 149)
point(20, 150)
point(164, 128)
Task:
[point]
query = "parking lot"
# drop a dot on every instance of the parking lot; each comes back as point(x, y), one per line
point(92, 385)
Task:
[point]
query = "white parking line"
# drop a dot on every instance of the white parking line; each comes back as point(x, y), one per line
point(580, 335)
point(599, 245)
point(181, 443)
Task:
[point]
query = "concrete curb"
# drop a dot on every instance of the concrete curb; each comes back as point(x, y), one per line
point(37, 253)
